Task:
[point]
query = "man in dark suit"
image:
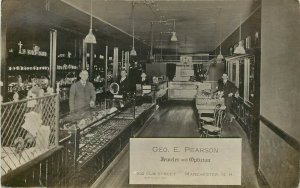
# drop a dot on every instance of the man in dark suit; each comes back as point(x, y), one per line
point(143, 80)
point(82, 93)
point(123, 83)
point(229, 89)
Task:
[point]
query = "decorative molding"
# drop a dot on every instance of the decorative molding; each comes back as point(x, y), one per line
point(282, 134)
point(262, 180)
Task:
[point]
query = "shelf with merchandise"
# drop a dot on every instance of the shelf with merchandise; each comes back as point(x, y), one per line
point(27, 56)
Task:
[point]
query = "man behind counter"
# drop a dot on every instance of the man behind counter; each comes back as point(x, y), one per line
point(123, 83)
point(82, 93)
point(229, 89)
point(143, 80)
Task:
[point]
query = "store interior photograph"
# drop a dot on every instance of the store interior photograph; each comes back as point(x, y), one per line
point(81, 78)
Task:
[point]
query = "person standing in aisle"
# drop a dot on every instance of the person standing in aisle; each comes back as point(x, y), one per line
point(82, 93)
point(229, 89)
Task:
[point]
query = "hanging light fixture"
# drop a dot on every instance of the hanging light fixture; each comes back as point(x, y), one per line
point(220, 57)
point(151, 50)
point(133, 52)
point(90, 38)
point(161, 52)
point(174, 38)
point(240, 49)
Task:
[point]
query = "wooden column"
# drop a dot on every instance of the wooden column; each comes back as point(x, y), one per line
point(127, 61)
point(80, 53)
point(3, 55)
point(91, 72)
point(115, 64)
point(53, 46)
point(106, 54)
point(122, 61)
point(84, 50)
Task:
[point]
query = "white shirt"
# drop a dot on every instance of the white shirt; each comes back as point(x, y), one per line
point(83, 83)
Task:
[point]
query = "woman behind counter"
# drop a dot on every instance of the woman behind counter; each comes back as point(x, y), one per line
point(82, 93)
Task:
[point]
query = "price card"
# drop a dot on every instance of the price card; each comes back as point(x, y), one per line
point(185, 161)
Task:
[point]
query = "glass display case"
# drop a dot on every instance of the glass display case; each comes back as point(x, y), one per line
point(161, 89)
point(99, 134)
point(251, 80)
point(233, 72)
point(241, 71)
point(242, 80)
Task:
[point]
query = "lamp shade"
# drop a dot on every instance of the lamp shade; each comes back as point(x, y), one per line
point(220, 57)
point(133, 52)
point(90, 38)
point(240, 49)
point(151, 57)
point(174, 38)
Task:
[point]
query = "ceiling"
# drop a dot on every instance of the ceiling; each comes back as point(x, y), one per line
point(198, 22)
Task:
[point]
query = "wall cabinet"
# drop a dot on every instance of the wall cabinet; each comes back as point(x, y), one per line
point(243, 71)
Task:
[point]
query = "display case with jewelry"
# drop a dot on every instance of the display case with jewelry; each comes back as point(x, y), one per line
point(98, 134)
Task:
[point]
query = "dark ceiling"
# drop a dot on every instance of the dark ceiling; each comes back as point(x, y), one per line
point(198, 22)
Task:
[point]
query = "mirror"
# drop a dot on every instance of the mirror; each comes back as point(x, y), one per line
point(114, 88)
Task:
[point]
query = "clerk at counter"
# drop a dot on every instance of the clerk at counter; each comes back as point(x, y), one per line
point(143, 80)
point(82, 93)
point(123, 83)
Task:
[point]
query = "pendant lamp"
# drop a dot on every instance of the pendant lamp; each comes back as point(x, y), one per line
point(90, 38)
point(133, 52)
point(220, 57)
point(151, 50)
point(240, 49)
point(174, 38)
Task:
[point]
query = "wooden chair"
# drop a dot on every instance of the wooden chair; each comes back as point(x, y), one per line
point(206, 119)
point(203, 120)
point(215, 128)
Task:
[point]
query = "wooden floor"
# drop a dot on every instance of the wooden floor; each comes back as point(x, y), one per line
point(177, 120)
